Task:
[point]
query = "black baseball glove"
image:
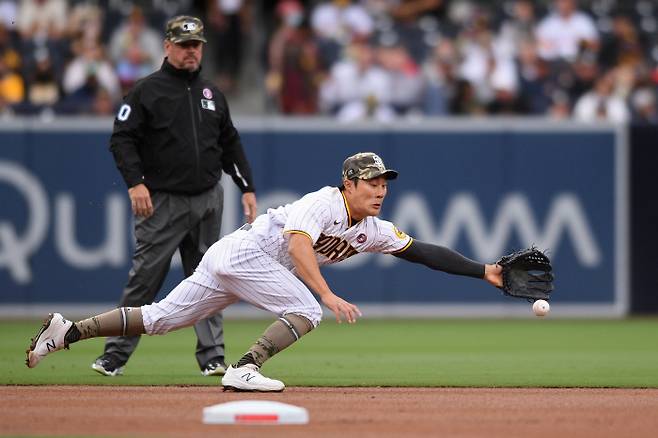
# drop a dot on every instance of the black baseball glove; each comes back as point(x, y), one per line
point(527, 274)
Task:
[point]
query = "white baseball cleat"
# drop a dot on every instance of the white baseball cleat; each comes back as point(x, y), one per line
point(49, 339)
point(249, 378)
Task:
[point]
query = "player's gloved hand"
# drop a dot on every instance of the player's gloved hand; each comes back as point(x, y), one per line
point(341, 308)
point(528, 274)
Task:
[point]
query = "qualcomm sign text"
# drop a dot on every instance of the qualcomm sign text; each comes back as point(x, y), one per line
point(66, 233)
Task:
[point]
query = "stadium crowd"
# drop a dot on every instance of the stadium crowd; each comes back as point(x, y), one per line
point(381, 59)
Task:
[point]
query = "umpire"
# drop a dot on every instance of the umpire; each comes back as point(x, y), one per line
point(172, 138)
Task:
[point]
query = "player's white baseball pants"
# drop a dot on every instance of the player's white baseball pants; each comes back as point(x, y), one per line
point(234, 268)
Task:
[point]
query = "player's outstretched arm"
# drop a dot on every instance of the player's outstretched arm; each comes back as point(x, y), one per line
point(447, 260)
point(302, 254)
point(494, 275)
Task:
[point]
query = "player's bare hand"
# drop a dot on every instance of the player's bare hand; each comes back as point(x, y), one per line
point(494, 275)
point(249, 206)
point(140, 199)
point(341, 308)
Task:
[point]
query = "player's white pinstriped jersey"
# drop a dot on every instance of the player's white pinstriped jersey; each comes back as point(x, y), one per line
point(253, 264)
point(325, 218)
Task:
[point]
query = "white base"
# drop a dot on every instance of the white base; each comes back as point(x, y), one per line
point(254, 412)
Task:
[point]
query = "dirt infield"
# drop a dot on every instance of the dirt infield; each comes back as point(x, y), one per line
point(344, 412)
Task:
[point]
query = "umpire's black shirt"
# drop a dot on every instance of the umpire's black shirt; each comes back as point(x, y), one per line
point(174, 134)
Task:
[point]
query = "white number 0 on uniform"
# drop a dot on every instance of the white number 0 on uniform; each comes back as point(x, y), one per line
point(124, 112)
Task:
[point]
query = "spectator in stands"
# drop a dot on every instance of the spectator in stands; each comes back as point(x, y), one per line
point(416, 21)
point(357, 88)
point(465, 101)
point(85, 75)
point(42, 24)
point(535, 86)
point(44, 91)
point(406, 80)
point(579, 76)
point(601, 103)
point(85, 21)
point(42, 19)
point(8, 51)
point(506, 99)
point(644, 109)
point(483, 64)
point(565, 32)
point(12, 88)
point(103, 104)
point(519, 28)
point(625, 46)
point(336, 23)
point(560, 108)
point(135, 49)
point(228, 24)
point(440, 75)
point(294, 66)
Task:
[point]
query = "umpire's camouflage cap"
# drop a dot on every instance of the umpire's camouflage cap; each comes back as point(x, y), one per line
point(366, 165)
point(184, 28)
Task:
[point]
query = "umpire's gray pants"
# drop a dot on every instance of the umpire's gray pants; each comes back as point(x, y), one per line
point(191, 224)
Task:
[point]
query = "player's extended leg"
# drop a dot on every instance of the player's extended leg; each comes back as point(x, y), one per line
point(187, 304)
point(57, 332)
point(245, 375)
point(278, 336)
point(239, 266)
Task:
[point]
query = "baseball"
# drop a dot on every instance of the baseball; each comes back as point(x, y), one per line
point(541, 307)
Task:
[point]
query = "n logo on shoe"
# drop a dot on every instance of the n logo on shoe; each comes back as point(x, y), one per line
point(247, 376)
point(50, 346)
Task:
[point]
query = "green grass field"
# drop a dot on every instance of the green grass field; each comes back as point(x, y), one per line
point(488, 353)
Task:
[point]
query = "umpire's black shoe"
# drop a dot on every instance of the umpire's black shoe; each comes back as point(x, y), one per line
point(214, 367)
point(108, 365)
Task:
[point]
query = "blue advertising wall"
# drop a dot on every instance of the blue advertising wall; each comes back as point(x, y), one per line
point(483, 189)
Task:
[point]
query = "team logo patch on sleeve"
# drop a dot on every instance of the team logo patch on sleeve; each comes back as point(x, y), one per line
point(399, 233)
point(361, 238)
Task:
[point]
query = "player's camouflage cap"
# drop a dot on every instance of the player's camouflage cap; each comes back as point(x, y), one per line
point(366, 165)
point(184, 28)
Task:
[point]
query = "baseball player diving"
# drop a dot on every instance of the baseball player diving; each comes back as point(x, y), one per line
point(274, 264)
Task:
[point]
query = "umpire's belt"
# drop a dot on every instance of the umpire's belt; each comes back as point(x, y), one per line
point(245, 227)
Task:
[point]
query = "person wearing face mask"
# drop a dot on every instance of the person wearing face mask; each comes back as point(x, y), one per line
point(173, 137)
point(229, 23)
point(294, 65)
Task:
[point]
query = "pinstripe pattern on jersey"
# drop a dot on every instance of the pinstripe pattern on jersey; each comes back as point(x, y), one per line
point(189, 302)
point(312, 213)
point(254, 265)
point(235, 268)
point(325, 216)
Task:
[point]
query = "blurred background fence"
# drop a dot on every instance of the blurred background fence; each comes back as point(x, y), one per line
point(483, 187)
